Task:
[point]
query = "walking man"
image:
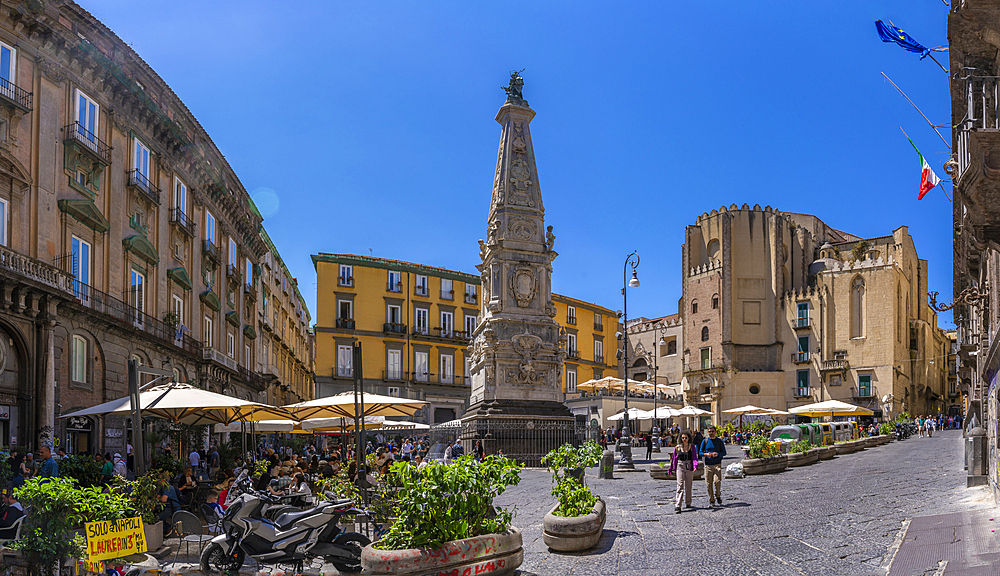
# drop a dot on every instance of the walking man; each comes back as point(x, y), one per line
point(712, 450)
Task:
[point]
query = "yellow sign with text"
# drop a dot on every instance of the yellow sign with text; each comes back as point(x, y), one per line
point(95, 566)
point(115, 538)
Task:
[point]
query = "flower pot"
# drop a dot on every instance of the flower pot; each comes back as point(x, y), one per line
point(765, 465)
point(802, 458)
point(154, 535)
point(489, 554)
point(572, 534)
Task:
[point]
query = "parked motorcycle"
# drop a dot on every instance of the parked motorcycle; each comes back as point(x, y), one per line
point(290, 538)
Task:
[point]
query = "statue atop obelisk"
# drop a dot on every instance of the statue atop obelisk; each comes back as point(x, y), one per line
point(517, 353)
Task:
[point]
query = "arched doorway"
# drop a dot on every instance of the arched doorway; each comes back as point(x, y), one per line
point(14, 407)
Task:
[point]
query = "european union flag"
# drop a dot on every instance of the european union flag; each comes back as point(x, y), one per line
point(889, 33)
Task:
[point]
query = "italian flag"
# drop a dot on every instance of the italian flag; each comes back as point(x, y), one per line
point(928, 179)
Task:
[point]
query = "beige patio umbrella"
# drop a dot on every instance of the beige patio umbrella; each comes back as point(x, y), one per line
point(340, 424)
point(606, 383)
point(633, 414)
point(830, 408)
point(751, 410)
point(185, 404)
point(400, 425)
point(693, 411)
point(342, 406)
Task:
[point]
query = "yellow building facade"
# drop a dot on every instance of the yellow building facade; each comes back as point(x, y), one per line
point(414, 323)
point(591, 344)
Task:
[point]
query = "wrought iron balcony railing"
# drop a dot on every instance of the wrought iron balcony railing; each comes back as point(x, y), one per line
point(178, 217)
point(15, 95)
point(139, 181)
point(345, 323)
point(394, 328)
point(88, 141)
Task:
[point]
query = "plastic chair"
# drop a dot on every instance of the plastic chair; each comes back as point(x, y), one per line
point(14, 529)
point(189, 530)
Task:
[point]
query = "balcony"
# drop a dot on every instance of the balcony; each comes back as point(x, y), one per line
point(393, 375)
point(800, 357)
point(208, 248)
point(266, 323)
point(133, 319)
point(834, 365)
point(599, 358)
point(347, 281)
point(249, 290)
point(598, 327)
point(571, 320)
point(447, 294)
point(419, 290)
point(431, 378)
point(87, 142)
point(232, 272)
point(802, 392)
point(394, 328)
point(801, 323)
point(345, 323)
point(254, 380)
point(138, 181)
point(573, 354)
point(13, 94)
point(863, 397)
point(471, 298)
point(397, 287)
point(180, 219)
point(218, 357)
point(19, 265)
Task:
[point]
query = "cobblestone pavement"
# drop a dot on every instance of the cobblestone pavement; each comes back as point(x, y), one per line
point(840, 516)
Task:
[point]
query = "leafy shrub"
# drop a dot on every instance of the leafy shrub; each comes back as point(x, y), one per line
point(800, 446)
point(84, 469)
point(58, 509)
point(760, 447)
point(574, 498)
point(444, 502)
point(887, 428)
point(144, 495)
point(569, 456)
point(163, 462)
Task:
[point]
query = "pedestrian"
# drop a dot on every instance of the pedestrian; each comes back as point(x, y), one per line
point(649, 448)
point(129, 457)
point(119, 467)
point(713, 450)
point(214, 461)
point(479, 451)
point(107, 469)
point(929, 425)
point(920, 426)
point(697, 438)
point(683, 462)
point(194, 459)
point(50, 468)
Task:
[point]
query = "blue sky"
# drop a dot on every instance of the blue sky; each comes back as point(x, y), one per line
point(368, 127)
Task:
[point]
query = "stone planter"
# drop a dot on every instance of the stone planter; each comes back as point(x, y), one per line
point(871, 442)
point(884, 439)
point(765, 465)
point(661, 473)
point(490, 554)
point(845, 447)
point(154, 535)
point(826, 452)
point(572, 534)
point(803, 458)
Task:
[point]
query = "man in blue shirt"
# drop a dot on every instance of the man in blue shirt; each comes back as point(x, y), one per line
point(712, 451)
point(50, 468)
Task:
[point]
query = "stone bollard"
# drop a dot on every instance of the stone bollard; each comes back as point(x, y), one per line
point(607, 467)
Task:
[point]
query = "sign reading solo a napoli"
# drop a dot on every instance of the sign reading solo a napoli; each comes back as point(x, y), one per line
point(115, 538)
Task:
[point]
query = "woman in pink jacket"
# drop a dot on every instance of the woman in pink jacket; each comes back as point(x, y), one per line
point(683, 462)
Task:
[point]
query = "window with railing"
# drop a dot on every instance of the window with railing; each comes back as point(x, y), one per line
point(598, 351)
point(420, 321)
point(421, 366)
point(395, 281)
point(802, 383)
point(571, 349)
point(345, 361)
point(599, 322)
point(394, 365)
point(420, 285)
point(470, 293)
point(802, 354)
point(802, 320)
point(346, 277)
point(447, 289)
point(447, 324)
point(571, 314)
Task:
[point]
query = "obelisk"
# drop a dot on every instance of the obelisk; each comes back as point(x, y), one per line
point(517, 351)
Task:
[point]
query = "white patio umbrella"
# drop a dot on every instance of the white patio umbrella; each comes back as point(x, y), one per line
point(633, 414)
point(333, 424)
point(342, 406)
point(186, 404)
point(400, 425)
point(830, 408)
point(751, 410)
point(693, 411)
point(667, 412)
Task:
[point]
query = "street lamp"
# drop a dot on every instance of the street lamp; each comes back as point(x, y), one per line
point(655, 436)
point(625, 444)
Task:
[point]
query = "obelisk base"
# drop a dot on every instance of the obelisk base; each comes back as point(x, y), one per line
point(523, 431)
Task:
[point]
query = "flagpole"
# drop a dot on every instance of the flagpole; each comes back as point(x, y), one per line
point(931, 56)
point(918, 110)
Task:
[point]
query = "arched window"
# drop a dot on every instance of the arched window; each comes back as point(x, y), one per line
point(858, 307)
point(704, 334)
point(713, 249)
point(715, 302)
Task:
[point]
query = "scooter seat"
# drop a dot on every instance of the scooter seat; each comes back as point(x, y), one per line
point(288, 518)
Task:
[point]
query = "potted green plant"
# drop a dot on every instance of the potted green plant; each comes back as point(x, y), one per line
point(57, 509)
point(576, 522)
point(446, 521)
point(764, 457)
point(145, 503)
point(799, 454)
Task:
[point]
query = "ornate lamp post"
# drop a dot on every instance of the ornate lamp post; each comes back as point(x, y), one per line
point(625, 444)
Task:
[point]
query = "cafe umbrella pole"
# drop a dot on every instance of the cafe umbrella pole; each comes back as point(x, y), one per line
point(359, 408)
